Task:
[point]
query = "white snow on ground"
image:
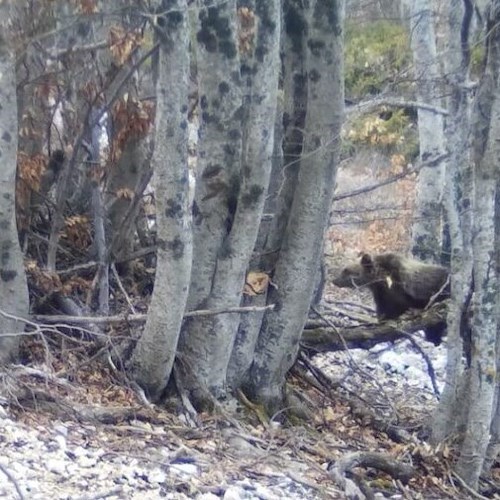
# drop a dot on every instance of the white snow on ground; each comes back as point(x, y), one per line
point(397, 360)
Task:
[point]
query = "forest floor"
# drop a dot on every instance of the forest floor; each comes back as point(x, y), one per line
point(73, 428)
point(83, 434)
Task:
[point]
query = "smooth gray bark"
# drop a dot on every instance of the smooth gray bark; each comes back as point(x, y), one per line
point(288, 139)
point(153, 357)
point(217, 185)
point(260, 72)
point(301, 249)
point(458, 200)
point(470, 399)
point(219, 145)
point(483, 378)
point(426, 228)
point(13, 286)
point(295, 89)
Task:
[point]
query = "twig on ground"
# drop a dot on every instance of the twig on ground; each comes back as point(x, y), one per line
point(122, 289)
point(379, 461)
point(428, 362)
point(103, 494)
point(464, 485)
point(12, 479)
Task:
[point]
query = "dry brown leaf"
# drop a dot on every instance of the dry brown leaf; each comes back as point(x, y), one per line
point(77, 230)
point(124, 193)
point(88, 6)
point(122, 43)
point(256, 283)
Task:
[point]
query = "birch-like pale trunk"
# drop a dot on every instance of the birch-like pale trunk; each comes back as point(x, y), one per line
point(153, 357)
point(483, 377)
point(470, 399)
point(13, 286)
point(426, 228)
point(301, 248)
point(458, 200)
point(289, 130)
point(219, 144)
point(218, 179)
point(261, 73)
point(493, 451)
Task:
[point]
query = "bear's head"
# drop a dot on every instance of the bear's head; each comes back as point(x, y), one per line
point(359, 274)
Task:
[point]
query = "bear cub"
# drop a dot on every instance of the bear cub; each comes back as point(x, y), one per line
point(397, 284)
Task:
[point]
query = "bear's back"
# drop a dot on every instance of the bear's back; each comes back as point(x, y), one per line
point(397, 283)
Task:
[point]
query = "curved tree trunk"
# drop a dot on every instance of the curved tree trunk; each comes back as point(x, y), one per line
point(13, 286)
point(153, 357)
point(301, 248)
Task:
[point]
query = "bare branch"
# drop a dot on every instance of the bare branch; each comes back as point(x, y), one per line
point(429, 163)
point(365, 107)
point(140, 317)
point(12, 479)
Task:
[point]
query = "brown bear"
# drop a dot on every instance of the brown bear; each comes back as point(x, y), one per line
point(398, 284)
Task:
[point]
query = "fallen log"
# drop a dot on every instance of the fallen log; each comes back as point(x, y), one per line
point(333, 338)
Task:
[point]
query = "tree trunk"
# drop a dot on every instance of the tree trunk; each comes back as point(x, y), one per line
point(426, 229)
point(470, 399)
point(482, 375)
point(301, 248)
point(13, 286)
point(260, 63)
point(74, 184)
point(458, 192)
point(154, 355)
point(217, 184)
point(289, 129)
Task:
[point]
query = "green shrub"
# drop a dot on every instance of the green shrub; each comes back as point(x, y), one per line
point(375, 55)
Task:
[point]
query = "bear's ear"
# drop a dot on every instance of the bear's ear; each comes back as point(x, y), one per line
point(367, 261)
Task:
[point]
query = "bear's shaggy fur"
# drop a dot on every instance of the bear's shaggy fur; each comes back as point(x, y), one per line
point(397, 284)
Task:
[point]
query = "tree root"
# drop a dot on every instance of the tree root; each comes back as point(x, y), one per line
point(356, 487)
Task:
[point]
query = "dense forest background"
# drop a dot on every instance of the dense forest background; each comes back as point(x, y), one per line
point(180, 180)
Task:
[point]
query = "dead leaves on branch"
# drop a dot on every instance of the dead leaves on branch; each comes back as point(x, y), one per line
point(122, 43)
point(77, 231)
point(43, 281)
point(30, 170)
point(132, 120)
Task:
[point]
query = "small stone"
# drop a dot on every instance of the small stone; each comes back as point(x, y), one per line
point(235, 493)
point(55, 465)
point(208, 496)
point(184, 469)
point(156, 476)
